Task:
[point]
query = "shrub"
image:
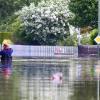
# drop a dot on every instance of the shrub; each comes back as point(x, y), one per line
point(45, 24)
point(93, 35)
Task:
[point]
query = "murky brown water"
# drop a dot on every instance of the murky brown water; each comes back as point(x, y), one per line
point(74, 79)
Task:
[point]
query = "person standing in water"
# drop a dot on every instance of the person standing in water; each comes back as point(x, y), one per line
point(6, 59)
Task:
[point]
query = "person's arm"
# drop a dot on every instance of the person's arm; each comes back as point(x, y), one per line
point(11, 51)
point(1, 52)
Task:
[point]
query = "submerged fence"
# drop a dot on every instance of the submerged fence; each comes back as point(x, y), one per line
point(89, 50)
point(44, 51)
point(55, 51)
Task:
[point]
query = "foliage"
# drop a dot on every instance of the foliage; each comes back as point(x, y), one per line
point(7, 10)
point(85, 39)
point(45, 24)
point(84, 13)
point(71, 40)
point(93, 35)
point(5, 35)
point(8, 7)
point(8, 29)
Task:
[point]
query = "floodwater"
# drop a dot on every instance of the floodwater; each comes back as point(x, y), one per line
point(73, 79)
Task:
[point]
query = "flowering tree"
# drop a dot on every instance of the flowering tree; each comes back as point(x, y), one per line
point(46, 23)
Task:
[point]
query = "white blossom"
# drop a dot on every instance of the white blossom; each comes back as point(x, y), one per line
point(47, 17)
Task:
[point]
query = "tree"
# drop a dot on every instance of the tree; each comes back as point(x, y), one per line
point(8, 7)
point(45, 24)
point(9, 22)
point(84, 13)
point(7, 10)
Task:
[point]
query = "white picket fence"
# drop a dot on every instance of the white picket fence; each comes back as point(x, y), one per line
point(44, 51)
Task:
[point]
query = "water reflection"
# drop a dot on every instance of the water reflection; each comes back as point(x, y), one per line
point(86, 90)
point(36, 81)
point(8, 84)
point(6, 68)
point(6, 72)
point(85, 85)
point(85, 72)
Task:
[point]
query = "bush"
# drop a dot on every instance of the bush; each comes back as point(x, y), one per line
point(45, 24)
point(93, 35)
point(85, 39)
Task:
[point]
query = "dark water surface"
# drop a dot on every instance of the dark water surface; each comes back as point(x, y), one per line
point(74, 79)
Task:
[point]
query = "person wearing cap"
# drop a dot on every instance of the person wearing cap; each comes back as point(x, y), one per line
point(6, 56)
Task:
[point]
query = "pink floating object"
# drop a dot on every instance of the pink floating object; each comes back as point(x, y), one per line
point(57, 78)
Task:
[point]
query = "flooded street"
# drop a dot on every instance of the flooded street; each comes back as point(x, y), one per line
point(73, 79)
